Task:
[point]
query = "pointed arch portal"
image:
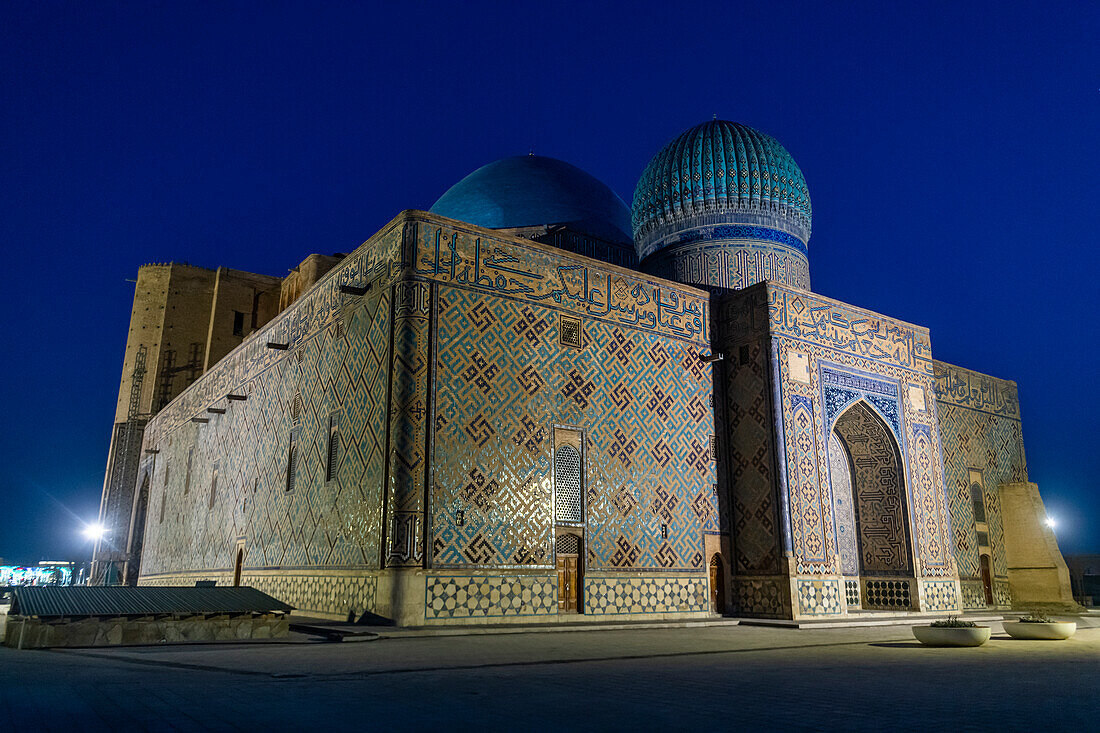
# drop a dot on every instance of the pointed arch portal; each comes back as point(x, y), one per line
point(868, 482)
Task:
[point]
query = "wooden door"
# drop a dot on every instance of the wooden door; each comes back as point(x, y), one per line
point(987, 580)
point(717, 597)
point(568, 579)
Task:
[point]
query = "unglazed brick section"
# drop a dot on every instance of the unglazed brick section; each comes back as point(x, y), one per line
point(645, 595)
point(461, 596)
point(552, 277)
point(502, 378)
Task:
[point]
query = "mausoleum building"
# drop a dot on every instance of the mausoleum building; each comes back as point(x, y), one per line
point(532, 402)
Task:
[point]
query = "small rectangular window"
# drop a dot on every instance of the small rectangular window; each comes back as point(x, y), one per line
point(333, 462)
point(187, 477)
point(238, 323)
point(570, 332)
point(292, 461)
point(213, 487)
point(163, 501)
point(978, 503)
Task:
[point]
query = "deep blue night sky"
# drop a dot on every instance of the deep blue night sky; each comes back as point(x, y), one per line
point(950, 150)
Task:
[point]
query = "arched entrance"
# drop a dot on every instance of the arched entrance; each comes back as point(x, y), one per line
point(717, 592)
point(868, 483)
point(987, 579)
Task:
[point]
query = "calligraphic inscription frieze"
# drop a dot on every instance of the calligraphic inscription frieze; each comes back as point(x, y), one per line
point(965, 388)
point(556, 279)
point(868, 335)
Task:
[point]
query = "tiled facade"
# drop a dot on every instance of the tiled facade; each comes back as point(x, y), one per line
point(391, 442)
point(802, 368)
point(981, 428)
point(444, 381)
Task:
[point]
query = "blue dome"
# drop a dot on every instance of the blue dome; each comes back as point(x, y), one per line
point(530, 190)
point(719, 170)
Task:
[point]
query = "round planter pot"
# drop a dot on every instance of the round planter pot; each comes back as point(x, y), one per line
point(947, 636)
point(1055, 630)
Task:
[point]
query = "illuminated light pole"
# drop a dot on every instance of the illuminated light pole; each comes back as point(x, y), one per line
point(93, 532)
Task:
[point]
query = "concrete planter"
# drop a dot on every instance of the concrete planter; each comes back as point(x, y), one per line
point(1055, 630)
point(949, 636)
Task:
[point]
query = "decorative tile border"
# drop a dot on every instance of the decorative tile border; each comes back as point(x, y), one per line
point(645, 595)
point(483, 596)
point(759, 596)
point(939, 595)
point(819, 597)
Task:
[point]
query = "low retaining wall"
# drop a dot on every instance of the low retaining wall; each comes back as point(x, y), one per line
point(36, 633)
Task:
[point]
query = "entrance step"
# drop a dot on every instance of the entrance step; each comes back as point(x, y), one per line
point(867, 618)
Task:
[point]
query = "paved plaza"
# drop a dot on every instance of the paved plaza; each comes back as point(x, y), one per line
point(717, 678)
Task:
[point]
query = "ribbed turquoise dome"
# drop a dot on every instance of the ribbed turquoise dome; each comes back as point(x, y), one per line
point(531, 190)
point(714, 168)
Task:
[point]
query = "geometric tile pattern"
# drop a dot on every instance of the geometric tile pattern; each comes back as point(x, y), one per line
point(888, 594)
point(408, 424)
point(750, 465)
point(979, 420)
point(758, 596)
point(851, 593)
point(834, 335)
point(339, 358)
point(502, 376)
point(1001, 593)
point(645, 595)
point(459, 596)
point(939, 595)
point(819, 597)
point(878, 490)
point(318, 593)
point(733, 263)
point(810, 515)
point(973, 595)
point(840, 478)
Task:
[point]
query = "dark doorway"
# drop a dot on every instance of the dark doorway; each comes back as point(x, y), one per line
point(237, 567)
point(987, 580)
point(717, 592)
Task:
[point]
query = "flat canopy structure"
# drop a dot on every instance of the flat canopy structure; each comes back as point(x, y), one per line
point(123, 600)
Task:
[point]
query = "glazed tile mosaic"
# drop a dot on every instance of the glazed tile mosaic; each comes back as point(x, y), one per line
point(645, 594)
point(461, 596)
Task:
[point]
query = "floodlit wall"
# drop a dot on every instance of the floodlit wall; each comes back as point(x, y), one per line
point(982, 445)
point(795, 363)
point(444, 382)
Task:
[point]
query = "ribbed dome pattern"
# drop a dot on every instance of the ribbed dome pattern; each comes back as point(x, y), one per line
point(720, 166)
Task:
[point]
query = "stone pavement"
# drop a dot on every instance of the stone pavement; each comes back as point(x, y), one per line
point(723, 677)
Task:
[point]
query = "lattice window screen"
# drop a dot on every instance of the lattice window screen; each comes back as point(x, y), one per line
point(567, 484)
point(569, 544)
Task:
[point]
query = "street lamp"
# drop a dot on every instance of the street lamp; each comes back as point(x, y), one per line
point(95, 532)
